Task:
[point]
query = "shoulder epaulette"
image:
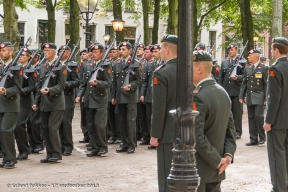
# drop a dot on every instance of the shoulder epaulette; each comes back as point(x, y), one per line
point(197, 89)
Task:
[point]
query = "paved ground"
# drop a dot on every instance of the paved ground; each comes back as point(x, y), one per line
point(126, 172)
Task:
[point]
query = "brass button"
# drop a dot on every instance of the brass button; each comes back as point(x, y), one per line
point(251, 81)
point(122, 71)
point(251, 86)
point(56, 95)
point(121, 81)
point(90, 91)
point(91, 86)
point(251, 91)
point(229, 72)
point(101, 94)
point(122, 76)
point(11, 97)
point(229, 81)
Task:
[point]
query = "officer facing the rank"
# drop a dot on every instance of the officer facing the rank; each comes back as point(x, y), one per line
point(126, 96)
point(51, 102)
point(254, 85)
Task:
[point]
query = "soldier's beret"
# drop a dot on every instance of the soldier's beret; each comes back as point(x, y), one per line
point(253, 51)
point(281, 40)
point(232, 45)
point(170, 39)
point(200, 46)
point(125, 43)
point(84, 50)
point(114, 48)
point(49, 45)
point(200, 55)
point(27, 51)
point(148, 47)
point(141, 45)
point(34, 51)
point(214, 60)
point(156, 46)
point(263, 58)
point(6, 44)
point(97, 46)
point(64, 47)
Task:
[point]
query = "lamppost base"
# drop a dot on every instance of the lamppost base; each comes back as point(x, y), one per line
point(181, 184)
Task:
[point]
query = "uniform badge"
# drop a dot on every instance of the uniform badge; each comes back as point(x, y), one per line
point(47, 45)
point(155, 81)
point(64, 72)
point(77, 70)
point(124, 43)
point(20, 72)
point(196, 91)
point(2, 45)
point(155, 47)
point(25, 49)
point(272, 74)
point(129, 61)
point(35, 74)
point(81, 64)
point(250, 66)
point(259, 67)
point(258, 75)
point(96, 47)
point(119, 61)
point(251, 51)
point(109, 70)
point(194, 106)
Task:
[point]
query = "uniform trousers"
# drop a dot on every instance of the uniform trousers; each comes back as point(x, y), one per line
point(256, 121)
point(34, 130)
point(237, 110)
point(66, 130)
point(209, 187)
point(146, 134)
point(51, 122)
point(83, 120)
point(21, 134)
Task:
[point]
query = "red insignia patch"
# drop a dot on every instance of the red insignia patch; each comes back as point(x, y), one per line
point(155, 47)
point(20, 72)
point(272, 74)
point(81, 64)
point(194, 106)
point(35, 74)
point(129, 61)
point(64, 72)
point(115, 47)
point(155, 81)
point(96, 47)
point(25, 49)
point(119, 61)
point(232, 45)
point(251, 51)
point(124, 43)
point(250, 66)
point(196, 91)
point(77, 70)
point(259, 67)
point(2, 45)
point(109, 70)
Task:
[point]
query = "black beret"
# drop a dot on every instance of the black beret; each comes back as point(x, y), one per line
point(114, 48)
point(170, 39)
point(281, 40)
point(64, 46)
point(232, 45)
point(27, 51)
point(141, 45)
point(6, 44)
point(200, 55)
point(263, 58)
point(49, 45)
point(97, 46)
point(201, 46)
point(125, 43)
point(84, 50)
point(254, 51)
point(156, 46)
point(34, 51)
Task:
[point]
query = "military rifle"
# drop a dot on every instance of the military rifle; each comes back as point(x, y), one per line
point(50, 73)
point(13, 64)
point(71, 58)
point(129, 69)
point(30, 69)
point(102, 63)
point(210, 50)
point(236, 63)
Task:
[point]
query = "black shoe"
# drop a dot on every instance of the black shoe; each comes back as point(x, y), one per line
point(130, 150)
point(38, 149)
point(89, 148)
point(250, 143)
point(238, 136)
point(121, 149)
point(88, 145)
point(9, 165)
point(66, 153)
point(44, 160)
point(53, 159)
point(261, 143)
point(144, 142)
point(33, 151)
point(84, 140)
point(102, 152)
point(118, 141)
point(151, 147)
point(93, 153)
point(22, 156)
point(111, 141)
point(2, 164)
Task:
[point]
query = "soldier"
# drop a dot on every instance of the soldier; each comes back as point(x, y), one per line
point(232, 84)
point(96, 101)
point(164, 100)
point(200, 46)
point(84, 53)
point(254, 85)
point(9, 105)
point(276, 123)
point(26, 101)
point(72, 81)
point(126, 96)
point(215, 132)
point(263, 60)
point(140, 54)
point(51, 103)
point(215, 70)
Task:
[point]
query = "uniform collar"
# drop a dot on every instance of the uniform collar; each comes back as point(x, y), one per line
point(203, 80)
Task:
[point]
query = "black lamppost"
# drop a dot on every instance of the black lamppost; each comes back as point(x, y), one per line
point(87, 9)
point(255, 39)
point(118, 25)
point(106, 39)
point(183, 174)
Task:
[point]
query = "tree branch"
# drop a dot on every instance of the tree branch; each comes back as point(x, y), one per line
point(208, 12)
point(55, 4)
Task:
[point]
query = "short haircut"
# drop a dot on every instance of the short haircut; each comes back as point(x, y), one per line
point(10, 48)
point(206, 64)
point(283, 49)
point(171, 46)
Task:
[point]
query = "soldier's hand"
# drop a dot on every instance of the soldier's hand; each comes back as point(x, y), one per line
point(82, 100)
point(35, 107)
point(265, 102)
point(113, 101)
point(93, 82)
point(267, 126)
point(154, 141)
point(241, 100)
point(77, 99)
point(234, 77)
point(2, 90)
point(45, 91)
point(127, 88)
point(142, 98)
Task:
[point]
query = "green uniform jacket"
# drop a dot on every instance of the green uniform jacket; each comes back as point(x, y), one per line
point(54, 100)
point(81, 67)
point(164, 100)
point(95, 96)
point(27, 90)
point(72, 82)
point(277, 94)
point(214, 129)
point(255, 84)
point(11, 101)
point(231, 86)
point(119, 74)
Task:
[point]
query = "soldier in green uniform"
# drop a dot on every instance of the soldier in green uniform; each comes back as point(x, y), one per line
point(26, 101)
point(254, 85)
point(200, 46)
point(164, 100)
point(72, 81)
point(51, 102)
point(276, 123)
point(126, 96)
point(215, 131)
point(96, 100)
point(9, 105)
point(84, 53)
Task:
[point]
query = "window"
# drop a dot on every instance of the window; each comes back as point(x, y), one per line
point(212, 42)
point(130, 34)
point(150, 35)
point(43, 31)
point(21, 30)
point(67, 29)
point(110, 31)
point(93, 33)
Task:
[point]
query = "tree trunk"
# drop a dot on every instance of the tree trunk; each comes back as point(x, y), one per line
point(173, 17)
point(194, 23)
point(51, 20)
point(74, 24)
point(276, 29)
point(145, 21)
point(246, 24)
point(11, 23)
point(117, 13)
point(156, 22)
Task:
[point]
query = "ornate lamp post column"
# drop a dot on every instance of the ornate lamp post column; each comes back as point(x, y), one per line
point(183, 174)
point(255, 39)
point(118, 25)
point(87, 9)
